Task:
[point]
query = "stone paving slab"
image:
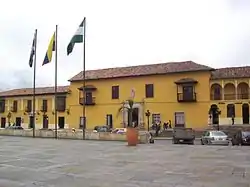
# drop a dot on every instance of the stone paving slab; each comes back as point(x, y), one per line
point(28, 162)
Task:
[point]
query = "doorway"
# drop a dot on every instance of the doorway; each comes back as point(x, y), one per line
point(61, 122)
point(45, 122)
point(18, 121)
point(3, 122)
point(135, 117)
point(245, 113)
point(31, 122)
point(109, 122)
point(214, 111)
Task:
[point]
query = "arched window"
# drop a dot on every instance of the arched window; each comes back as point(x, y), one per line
point(230, 110)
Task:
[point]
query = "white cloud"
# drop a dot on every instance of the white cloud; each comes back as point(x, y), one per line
point(120, 33)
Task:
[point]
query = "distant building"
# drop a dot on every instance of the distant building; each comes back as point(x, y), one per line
point(16, 106)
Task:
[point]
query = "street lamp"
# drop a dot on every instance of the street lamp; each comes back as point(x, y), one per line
point(148, 115)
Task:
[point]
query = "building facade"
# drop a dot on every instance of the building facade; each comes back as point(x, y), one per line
point(16, 107)
point(229, 93)
point(186, 93)
point(170, 91)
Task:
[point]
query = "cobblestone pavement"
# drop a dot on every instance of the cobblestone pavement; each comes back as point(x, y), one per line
point(29, 162)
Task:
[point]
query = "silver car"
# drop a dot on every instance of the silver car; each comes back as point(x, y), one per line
point(214, 138)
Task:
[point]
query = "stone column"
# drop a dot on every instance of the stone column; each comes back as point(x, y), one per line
point(140, 114)
point(222, 91)
point(21, 104)
point(125, 116)
point(248, 87)
point(8, 105)
point(37, 108)
point(142, 117)
point(53, 104)
point(236, 90)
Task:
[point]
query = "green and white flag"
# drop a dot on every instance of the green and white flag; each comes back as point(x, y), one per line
point(77, 38)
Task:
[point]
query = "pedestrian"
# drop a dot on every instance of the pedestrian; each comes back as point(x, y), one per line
point(158, 128)
point(151, 138)
point(153, 127)
point(165, 126)
point(169, 124)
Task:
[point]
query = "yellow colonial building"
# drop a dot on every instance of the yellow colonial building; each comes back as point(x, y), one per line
point(187, 93)
point(16, 107)
point(170, 91)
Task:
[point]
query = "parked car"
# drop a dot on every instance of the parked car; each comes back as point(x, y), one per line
point(119, 131)
point(14, 127)
point(183, 135)
point(103, 128)
point(214, 138)
point(241, 138)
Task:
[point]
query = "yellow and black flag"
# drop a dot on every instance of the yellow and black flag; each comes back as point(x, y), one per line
point(51, 48)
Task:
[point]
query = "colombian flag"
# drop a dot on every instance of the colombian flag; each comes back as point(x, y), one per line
point(50, 50)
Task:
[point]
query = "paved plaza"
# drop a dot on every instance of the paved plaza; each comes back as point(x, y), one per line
point(29, 162)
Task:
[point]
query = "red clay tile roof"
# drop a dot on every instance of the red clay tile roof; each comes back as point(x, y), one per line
point(142, 70)
point(231, 72)
point(29, 91)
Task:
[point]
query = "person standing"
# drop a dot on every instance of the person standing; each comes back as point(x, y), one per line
point(232, 119)
point(158, 128)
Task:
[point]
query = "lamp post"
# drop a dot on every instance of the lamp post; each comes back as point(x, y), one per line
point(148, 115)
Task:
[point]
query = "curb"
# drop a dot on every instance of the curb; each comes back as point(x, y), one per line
point(168, 138)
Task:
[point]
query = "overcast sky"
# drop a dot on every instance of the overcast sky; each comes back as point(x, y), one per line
point(121, 33)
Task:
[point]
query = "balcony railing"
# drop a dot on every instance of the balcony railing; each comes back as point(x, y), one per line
point(61, 108)
point(13, 109)
point(229, 96)
point(43, 108)
point(183, 97)
point(28, 109)
point(215, 96)
point(89, 101)
point(241, 96)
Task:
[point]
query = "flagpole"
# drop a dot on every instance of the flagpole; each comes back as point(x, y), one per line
point(56, 83)
point(34, 87)
point(84, 82)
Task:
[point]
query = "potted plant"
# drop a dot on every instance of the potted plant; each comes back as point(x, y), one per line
point(132, 132)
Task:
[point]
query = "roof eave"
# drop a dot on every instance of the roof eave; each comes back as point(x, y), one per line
point(77, 80)
point(212, 69)
point(29, 95)
point(219, 78)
